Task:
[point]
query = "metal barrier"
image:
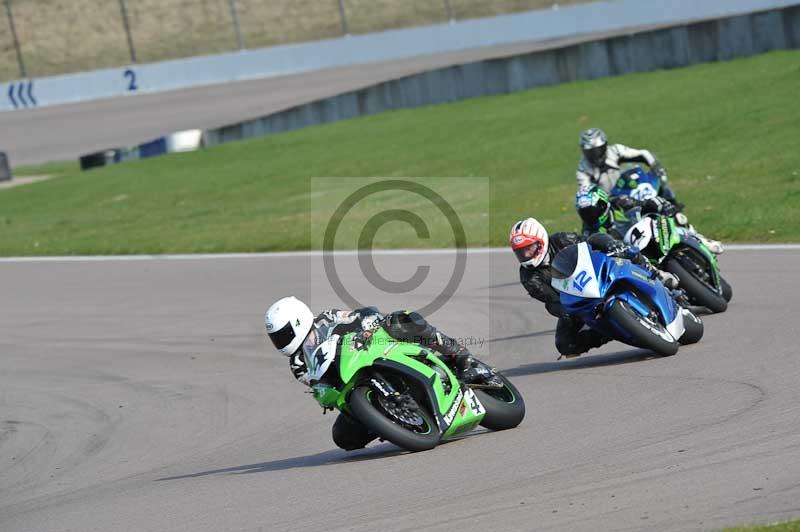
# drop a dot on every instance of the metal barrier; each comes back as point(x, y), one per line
point(611, 17)
point(688, 44)
point(50, 37)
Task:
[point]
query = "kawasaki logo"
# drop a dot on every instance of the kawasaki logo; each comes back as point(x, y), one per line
point(664, 229)
point(451, 414)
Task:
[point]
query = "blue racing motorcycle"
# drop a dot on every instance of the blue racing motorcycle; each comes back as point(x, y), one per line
point(622, 300)
point(637, 184)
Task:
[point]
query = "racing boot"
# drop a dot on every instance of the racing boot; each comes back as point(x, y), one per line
point(714, 246)
point(467, 369)
point(470, 370)
point(670, 280)
point(454, 355)
point(681, 298)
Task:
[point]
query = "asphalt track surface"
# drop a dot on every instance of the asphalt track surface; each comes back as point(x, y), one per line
point(63, 132)
point(143, 396)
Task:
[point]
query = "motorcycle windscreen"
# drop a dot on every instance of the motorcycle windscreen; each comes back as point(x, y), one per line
point(565, 262)
point(582, 281)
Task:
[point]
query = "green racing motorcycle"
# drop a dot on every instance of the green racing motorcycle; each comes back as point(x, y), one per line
point(674, 249)
point(404, 393)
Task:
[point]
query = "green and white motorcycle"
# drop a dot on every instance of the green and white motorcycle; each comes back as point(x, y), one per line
point(674, 249)
point(404, 393)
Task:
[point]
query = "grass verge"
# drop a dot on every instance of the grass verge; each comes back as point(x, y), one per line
point(727, 133)
point(791, 526)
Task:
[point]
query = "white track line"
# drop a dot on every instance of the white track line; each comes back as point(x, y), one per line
point(268, 255)
point(298, 254)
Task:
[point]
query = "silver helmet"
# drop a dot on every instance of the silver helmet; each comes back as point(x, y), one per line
point(594, 144)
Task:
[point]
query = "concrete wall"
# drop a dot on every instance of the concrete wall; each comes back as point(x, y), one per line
point(715, 40)
point(601, 16)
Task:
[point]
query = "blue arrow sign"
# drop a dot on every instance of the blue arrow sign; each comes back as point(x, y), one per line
point(11, 96)
point(21, 94)
point(30, 94)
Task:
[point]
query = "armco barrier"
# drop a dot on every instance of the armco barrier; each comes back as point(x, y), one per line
point(598, 17)
point(714, 40)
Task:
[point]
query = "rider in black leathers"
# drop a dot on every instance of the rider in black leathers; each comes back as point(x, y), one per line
point(572, 337)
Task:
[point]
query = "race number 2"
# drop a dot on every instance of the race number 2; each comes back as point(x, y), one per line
point(130, 77)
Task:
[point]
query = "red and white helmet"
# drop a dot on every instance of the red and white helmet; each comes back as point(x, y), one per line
point(530, 242)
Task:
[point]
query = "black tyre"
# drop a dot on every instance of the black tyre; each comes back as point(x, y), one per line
point(368, 410)
point(699, 292)
point(694, 329)
point(727, 290)
point(645, 332)
point(505, 407)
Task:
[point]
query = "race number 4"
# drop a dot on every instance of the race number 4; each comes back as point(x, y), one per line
point(474, 404)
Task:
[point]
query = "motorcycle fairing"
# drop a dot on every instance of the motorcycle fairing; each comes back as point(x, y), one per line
point(633, 282)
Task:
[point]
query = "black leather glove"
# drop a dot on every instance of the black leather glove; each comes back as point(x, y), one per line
point(669, 209)
point(617, 249)
point(659, 205)
point(623, 203)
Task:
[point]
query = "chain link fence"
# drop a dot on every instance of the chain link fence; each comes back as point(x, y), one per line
point(48, 37)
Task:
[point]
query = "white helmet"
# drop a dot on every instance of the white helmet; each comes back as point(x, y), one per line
point(288, 322)
point(530, 242)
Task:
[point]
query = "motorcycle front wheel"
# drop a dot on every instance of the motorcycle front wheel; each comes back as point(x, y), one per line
point(645, 333)
point(411, 429)
point(698, 290)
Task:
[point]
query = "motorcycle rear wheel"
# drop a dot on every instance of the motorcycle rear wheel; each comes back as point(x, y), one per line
point(727, 289)
point(505, 407)
point(621, 313)
point(367, 410)
point(694, 329)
